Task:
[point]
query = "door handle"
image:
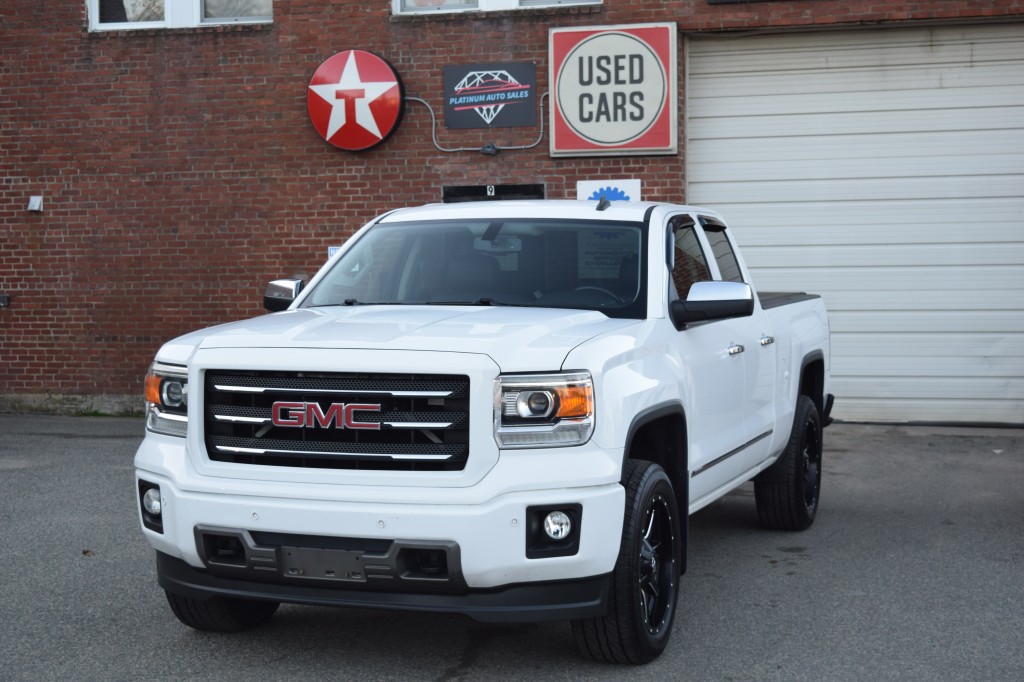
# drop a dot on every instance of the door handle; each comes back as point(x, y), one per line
point(767, 340)
point(736, 350)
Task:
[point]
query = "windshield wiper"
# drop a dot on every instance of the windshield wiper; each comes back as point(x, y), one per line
point(486, 300)
point(353, 302)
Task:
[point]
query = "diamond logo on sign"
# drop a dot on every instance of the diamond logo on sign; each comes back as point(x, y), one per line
point(614, 90)
point(355, 100)
point(483, 83)
point(490, 95)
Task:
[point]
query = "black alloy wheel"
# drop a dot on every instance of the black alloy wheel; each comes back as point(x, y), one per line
point(788, 492)
point(644, 586)
point(811, 461)
point(658, 569)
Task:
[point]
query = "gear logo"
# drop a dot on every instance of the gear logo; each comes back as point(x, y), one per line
point(609, 193)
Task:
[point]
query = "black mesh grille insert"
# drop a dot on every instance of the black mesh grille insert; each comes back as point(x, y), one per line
point(403, 422)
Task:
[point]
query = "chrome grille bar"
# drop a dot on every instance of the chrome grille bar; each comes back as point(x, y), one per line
point(385, 421)
point(318, 453)
point(328, 391)
point(226, 418)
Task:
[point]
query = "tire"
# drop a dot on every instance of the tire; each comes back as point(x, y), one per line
point(221, 614)
point(644, 585)
point(787, 492)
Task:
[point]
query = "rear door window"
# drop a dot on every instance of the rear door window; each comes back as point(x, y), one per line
point(725, 257)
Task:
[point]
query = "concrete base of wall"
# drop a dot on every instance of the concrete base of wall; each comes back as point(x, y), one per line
point(99, 405)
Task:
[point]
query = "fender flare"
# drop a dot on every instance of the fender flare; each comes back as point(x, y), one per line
point(819, 398)
point(654, 413)
point(680, 475)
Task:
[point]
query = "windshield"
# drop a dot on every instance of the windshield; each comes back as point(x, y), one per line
point(554, 264)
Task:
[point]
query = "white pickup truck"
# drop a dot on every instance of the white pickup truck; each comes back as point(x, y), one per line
point(501, 409)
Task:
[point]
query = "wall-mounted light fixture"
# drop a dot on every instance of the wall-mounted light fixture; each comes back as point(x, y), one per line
point(35, 203)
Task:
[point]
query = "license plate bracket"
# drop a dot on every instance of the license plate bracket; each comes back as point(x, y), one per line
point(308, 563)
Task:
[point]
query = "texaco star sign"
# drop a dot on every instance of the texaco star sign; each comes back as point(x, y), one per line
point(355, 100)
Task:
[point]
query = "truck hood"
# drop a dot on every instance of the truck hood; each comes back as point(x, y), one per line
point(516, 339)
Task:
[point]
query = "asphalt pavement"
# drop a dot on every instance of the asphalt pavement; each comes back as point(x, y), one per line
point(914, 570)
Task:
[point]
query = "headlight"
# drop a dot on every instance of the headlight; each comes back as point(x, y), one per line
point(543, 410)
point(167, 399)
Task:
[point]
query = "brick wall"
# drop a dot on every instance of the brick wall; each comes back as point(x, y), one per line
point(179, 170)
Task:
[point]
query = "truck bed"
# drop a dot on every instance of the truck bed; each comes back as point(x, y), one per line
point(775, 299)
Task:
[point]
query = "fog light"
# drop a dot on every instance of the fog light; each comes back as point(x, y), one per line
point(151, 501)
point(557, 525)
point(554, 530)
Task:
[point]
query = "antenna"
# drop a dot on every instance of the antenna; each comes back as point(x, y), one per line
point(603, 203)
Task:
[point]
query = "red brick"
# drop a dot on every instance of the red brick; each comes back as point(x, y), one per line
point(180, 172)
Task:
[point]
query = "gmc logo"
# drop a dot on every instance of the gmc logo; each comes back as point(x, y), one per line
point(311, 415)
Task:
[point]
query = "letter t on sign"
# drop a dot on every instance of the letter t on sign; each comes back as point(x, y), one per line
point(350, 97)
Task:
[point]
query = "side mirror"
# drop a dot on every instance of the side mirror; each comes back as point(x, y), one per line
point(712, 301)
point(280, 293)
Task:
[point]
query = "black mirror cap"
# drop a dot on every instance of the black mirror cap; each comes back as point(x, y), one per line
point(280, 294)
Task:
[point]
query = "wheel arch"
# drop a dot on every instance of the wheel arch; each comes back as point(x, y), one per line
point(812, 379)
point(658, 435)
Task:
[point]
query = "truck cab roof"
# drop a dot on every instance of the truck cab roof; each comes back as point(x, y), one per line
point(616, 211)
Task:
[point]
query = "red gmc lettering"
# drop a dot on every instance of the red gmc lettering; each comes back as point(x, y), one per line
point(314, 415)
point(281, 414)
point(350, 411)
point(311, 415)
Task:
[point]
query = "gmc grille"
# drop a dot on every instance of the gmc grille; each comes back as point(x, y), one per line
point(422, 423)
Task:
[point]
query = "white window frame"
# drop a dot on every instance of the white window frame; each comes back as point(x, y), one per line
point(489, 6)
point(177, 14)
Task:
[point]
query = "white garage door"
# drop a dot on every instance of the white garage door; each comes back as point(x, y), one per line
point(883, 169)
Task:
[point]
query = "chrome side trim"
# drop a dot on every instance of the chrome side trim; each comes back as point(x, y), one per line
point(729, 454)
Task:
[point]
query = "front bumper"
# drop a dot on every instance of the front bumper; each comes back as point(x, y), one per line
point(488, 518)
point(493, 537)
point(553, 600)
point(469, 559)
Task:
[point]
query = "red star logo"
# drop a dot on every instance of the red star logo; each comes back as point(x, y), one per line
point(355, 100)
